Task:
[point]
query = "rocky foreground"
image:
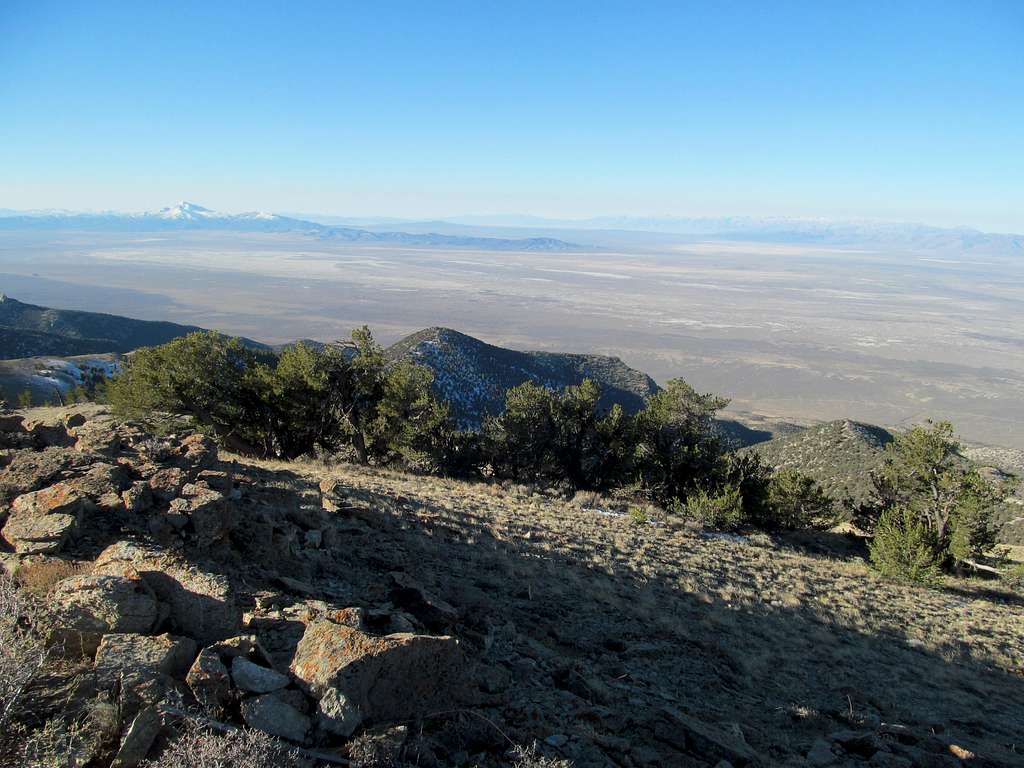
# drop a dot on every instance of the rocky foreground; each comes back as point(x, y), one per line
point(443, 623)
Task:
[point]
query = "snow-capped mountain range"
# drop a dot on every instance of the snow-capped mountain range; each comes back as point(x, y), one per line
point(478, 231)
point(189, 216)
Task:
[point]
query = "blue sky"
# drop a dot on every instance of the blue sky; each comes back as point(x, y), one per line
point(900, 111)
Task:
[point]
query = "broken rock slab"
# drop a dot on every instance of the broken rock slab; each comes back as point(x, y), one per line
point(144, 666)
point(41, 522)
point(359, 677)
point(273, 715)
point(82, 609)
point(201, 604)
point(209, 681)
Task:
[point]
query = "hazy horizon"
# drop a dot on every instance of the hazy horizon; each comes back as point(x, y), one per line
point(874, 111)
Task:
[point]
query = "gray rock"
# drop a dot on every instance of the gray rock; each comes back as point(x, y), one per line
point(201, 604)
point(85, 608)
point(138, 739)
point(166, 654)
point(385, 679)
point(254, 678)
point(271, 715)
point(143, 666)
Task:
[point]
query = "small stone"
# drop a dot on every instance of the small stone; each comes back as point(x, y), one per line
point(557, 740)
point(254, 678)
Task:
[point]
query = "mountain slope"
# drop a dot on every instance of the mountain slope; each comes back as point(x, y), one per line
point(473, 375)
point(189, 216)
point(27, 330)
point(839, 455)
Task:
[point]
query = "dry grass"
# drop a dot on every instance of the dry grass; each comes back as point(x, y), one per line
point(196, 747)
point(788, 642)
point(38, 578)
point(22, 655)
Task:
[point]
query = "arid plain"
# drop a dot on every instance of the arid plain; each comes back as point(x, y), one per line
point(799, 331)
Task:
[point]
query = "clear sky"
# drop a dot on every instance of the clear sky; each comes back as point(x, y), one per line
point(895, 110)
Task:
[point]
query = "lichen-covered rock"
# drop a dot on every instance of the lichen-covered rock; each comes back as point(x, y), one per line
point(272, 715)
point(82, 609)
point(167, 654)
point(166, 483)
point(144, 667)
point(209, 681)
point(42, 521)
point(359, 677)
point(211, 515)
point(201, 604)
point(101, 479)
point(49, 432)
point(32, 470)
point(137, 498)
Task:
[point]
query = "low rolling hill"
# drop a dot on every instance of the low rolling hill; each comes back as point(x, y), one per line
point(839, 455)
point(473, 375)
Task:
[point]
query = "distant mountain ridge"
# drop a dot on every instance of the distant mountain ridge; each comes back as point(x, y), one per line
point(473, 376)
point(782, 229)
point(189, 216)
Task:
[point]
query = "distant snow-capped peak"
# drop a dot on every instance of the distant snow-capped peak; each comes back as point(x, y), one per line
point(186, 211)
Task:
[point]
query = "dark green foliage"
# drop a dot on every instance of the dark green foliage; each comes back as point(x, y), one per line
point(796, 501)
point(904, 547)
point(558, 437)
point(926, 479)
point(721, 509)
point(304, 400)
point(212, 378)
point(676, 447)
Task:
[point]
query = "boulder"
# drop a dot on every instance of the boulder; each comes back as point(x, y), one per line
point(102, 479)
point(254, 678)
point(82, 609)
point(144, 666)
point(211, 515)
point(137, 498)
point(49, 432)
point(272, 715)
point(199, 451)
point(97, 436)
point(12, 422)
point(201, 604)
point(41, 522)
point(166, 483)
point(359, 677)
